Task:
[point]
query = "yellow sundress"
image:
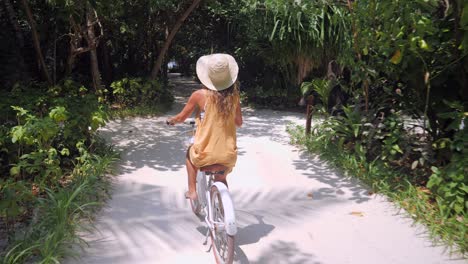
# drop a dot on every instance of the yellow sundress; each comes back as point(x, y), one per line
point(215, 138)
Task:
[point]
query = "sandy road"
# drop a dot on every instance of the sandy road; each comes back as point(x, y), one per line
point(291, 207)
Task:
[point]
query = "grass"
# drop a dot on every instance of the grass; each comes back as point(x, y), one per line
point(62, 214)
point(416, 202)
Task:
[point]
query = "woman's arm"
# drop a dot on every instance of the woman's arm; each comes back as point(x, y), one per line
point(187, 111)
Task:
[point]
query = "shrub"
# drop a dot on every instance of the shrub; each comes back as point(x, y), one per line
point(130, 92)
point(51, 168)
point(450, 182)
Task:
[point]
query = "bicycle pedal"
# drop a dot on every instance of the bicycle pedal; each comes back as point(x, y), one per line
point(206, 238)
point(209, 249)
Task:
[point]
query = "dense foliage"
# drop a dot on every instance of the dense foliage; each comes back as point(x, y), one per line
point(48, 150)
point(405, 107)
point(53, 99)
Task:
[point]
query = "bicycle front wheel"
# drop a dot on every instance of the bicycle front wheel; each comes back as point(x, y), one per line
point(223, 244)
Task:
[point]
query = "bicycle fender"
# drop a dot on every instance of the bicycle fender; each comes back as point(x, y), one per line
point(229, 214)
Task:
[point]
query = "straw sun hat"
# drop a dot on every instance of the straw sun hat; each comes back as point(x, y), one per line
point(217, 71)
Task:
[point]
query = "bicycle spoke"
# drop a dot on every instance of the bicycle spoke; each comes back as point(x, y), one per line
point(223, 243)
point(220, 236)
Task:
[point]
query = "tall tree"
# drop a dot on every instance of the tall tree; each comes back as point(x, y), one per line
point(14, 22)
point(19, 40)
point(36, 42)
point(93, 41)
point(170, 37)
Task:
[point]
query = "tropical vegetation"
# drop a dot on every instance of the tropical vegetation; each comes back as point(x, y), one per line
point(387, 78)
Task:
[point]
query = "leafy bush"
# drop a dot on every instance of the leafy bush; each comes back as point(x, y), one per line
point(13, 198)
point(131, 92)
point(391, 142)
point(321, 87)
point(60, 214)
point(450, 182)
point(44, 141)
point(49, 152)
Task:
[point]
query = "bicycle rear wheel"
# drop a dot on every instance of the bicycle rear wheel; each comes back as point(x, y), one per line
point(223, 244)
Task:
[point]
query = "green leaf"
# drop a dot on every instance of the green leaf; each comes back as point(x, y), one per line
point(464, 188)
point(434, 182)
point(52, 152)
point(274, 30)
point(396, 58)
point(464, 18)
point(423, 45)
point(356, 131)
point(365, 51)
point(17, 133)
point(306, 87)
point(448, 115)
point(65, 152)
point(458, 208)
point(397, 148)
point(58, 114)
point(15, 171)
point(454, 104)
point(21, 111)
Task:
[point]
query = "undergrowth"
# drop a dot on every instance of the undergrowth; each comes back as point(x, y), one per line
point(61, 215)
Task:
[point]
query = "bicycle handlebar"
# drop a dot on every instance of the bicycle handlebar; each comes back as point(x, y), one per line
point(190, 122)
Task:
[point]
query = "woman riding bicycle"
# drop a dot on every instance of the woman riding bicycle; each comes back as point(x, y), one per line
point(218, 113)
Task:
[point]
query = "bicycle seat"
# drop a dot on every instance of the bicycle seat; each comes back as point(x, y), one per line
point(214, 169)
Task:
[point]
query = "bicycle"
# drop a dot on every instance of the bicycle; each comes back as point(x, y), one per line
point(214, 201)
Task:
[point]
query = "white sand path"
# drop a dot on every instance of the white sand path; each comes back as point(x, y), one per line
point(149, 221)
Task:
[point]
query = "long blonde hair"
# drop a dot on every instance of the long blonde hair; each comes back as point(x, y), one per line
point(225, 100)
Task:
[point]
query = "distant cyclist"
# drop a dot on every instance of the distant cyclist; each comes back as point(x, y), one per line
point(217, 105)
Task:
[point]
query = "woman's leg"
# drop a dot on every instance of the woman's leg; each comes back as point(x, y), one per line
point(192, 179)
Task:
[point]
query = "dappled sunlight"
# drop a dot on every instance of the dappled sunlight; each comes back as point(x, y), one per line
point(285, 206)
point(140, 222)
point(285, 252)
point(336, 184)
point(147, 142)
point(267, 123)
point(146, 221)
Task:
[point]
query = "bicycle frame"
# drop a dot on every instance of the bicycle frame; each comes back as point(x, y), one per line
point(229, 224)
point(219, 213)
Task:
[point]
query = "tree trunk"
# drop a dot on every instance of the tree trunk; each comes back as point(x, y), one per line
point(14, 22)
point(310, 110)
point(167, 43)
point(37, 45)
point(92, 44)
point(70, 61)
point(106, 64)
point(22, 69)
